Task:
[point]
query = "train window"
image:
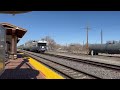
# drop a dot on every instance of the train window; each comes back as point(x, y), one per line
point(2, 48)
point(41, 44)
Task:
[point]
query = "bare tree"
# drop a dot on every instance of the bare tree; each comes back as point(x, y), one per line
point(51, 42)
point(75, 48)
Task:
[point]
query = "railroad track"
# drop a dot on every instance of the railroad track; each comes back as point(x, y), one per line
point(86, 61)
point(110, 56)
point(65, 71)
point(101, 70)
point(94, 55)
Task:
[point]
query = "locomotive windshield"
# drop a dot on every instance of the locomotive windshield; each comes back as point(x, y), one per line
point(41, 44)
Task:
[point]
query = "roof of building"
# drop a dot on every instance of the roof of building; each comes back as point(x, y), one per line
point(10, 29)
point(13, 12)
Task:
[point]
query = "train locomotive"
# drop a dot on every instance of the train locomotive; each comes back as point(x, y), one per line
point(36, 46)
point(111, 47)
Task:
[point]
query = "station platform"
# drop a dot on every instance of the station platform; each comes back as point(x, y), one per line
point(20, 69)
point(24, 68)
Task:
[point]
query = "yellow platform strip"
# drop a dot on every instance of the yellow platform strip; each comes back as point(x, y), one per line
point(48, 73)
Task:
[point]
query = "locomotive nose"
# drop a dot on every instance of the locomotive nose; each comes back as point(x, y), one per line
point(42, 46)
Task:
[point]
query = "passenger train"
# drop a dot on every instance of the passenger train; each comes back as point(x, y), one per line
point(35, 46)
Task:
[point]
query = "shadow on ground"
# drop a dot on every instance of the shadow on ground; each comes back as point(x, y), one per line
point(19, 55)
point(20, 73)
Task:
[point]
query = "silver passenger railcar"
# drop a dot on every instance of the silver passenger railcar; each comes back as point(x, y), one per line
point(36, 46)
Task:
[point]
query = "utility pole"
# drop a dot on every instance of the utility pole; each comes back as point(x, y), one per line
point(83, 43)
point(87, 37)
point(101, 37)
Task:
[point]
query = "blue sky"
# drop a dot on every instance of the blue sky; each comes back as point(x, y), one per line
point(67, 26)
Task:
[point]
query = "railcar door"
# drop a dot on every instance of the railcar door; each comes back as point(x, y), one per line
point(2, 48)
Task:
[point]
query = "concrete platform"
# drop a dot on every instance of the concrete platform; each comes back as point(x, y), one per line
point(20, 69)
point(25, 67)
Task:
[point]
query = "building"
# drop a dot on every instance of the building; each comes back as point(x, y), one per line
point(13, 35)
